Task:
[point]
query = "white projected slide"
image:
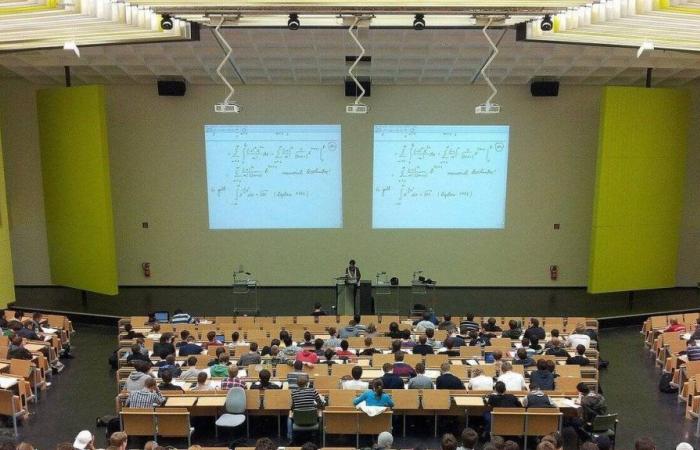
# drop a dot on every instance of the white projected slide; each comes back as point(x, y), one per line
point(429, 176)
point(274, 176)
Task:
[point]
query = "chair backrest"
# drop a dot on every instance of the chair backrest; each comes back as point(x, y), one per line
point(277, 399)
point(502, 343)
point(328, 321)
point(508, 421)
point(137, 422)
point(3, 352)
point(568, 370)
point(692, 368)
point(435, 360)
point(405, 399)
point(21, 367)
point(306, 320)
point(379, 359)
point(253, 399)
point(325, 382)
point(488, 369)
point(305, 417)
point(470, 352)
point(541, 421)
point(375, 424)
point(435, 400)
point(173, 422)
point(9, 403)
point(461, 372)
point(235, 401)
point(412, 360)
point(603, 422)
point(566, 385)
point(341, 397)
point(341, 370)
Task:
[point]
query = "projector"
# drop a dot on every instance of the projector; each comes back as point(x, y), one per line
point(356, 109)
point(227, 108)
point(488, 108)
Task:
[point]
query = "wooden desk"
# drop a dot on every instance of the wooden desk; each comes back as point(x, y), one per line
point(34, 347)
point(469, 401)
point(181, 402)
point(212, 401)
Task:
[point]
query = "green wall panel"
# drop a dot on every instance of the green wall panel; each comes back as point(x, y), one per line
point(7, 281)
point(77, 194)
point(639, 189)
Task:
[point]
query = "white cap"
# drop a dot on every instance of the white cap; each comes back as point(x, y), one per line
point(82, 439)
point(684, 446)
point(385, 440)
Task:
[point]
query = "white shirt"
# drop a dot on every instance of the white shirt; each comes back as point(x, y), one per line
point(513, 381)
point(424, 325)
point(355, 384)
point(481, 383)
point(578, 339)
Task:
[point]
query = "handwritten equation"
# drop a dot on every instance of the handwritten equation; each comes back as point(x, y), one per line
point(265, 176)
point(439, 176)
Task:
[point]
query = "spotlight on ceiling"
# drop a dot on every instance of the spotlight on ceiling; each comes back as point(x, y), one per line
point(293, 22)
point(166, 22)
point(546, 24)
point(419, 22)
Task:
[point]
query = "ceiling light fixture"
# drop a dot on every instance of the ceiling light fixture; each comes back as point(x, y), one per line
point(419, 22)
point(293, 22)
point(546, 24)
point(166, 22)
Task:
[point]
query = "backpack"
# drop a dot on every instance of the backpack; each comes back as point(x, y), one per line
point(665, 384)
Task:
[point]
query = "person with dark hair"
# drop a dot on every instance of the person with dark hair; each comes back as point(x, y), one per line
point(329, 354)
point(395, 346)
point(189, 347)
point(592, 403)
point(375, 397)
point(447, 324)
point(369, 350)
point(303, 398)
point(422, 348)
point(469, 323)
point(406, 342)
point(307, 356)
point(184, 334)
point(554, 334)
point(542, 377)
point(211, 340)
point(308, 341)
point(220, 350)
point(394, 331)
point(355, 383)
point(522, 358)
point(318, 347)
point(164, 346)
point(420, 381)
point(220, 369)
point(570, 439)
point(264, 381)
point(146, 397)
point(318, 311)
point(513, 331)
point(390, 379)
point(136, 354)
point(580, 358)
point(265, 444)
point(202, 383)
point(448, 442)
point(535, 330)
point(293, 377)
point(167, 382)
point(424, 323)
point(510, 445)
point(361, 329)
point(236, 339)
point(446, 380)
point(170, 366)
point(469, 439)
point(191, 371)
point(501, 399)
point(449, 350)
point(401, 368)
point(138, 377)
point(252, 357)
point(556, 348)
point(333, 341)
point(536, 398)
point(430, 338)
point(644, 443)
point(345, 353)
point(490, 326)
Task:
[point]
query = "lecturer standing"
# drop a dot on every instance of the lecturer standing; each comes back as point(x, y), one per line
point(352, 272)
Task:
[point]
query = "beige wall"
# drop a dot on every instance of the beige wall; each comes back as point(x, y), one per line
point(158, 176)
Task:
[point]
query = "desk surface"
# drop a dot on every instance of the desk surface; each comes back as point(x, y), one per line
point(181, 401)
point(217, 401)
point(34, 347)
point(469, 401)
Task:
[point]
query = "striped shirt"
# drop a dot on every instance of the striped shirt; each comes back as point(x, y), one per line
point(469, 325)
point(228, 383)
point(181, 318)
point(306, 398)
point(144, 398)
point(693, 353)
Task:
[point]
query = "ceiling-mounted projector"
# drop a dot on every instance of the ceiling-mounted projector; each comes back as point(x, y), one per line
point(488, 108)
point(356, 109)
point(227, 108)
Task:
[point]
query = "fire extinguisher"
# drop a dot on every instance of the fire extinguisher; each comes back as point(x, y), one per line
point(554, 272)
point(146, 269)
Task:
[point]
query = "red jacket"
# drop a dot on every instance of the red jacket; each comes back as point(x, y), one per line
point(307, 356)
point(675, 327)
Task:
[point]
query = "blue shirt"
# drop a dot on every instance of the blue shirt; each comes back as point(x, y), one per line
point(190, 349)
point(370, 399)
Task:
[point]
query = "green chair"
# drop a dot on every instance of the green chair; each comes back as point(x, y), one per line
point(305, 420)
point(603, 425)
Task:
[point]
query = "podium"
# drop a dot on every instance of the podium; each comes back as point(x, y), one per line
point(344, 296)
point(245, 296)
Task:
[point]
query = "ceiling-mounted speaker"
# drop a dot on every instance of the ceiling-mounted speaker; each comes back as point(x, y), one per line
point(544, 88)
point(172, 88)
point(351, 89)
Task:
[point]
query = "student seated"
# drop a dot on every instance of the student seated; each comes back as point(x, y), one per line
point(211, 340)
point(535, 330)
point(522, 358)
point(264, 381)
point(375, 397)
point(479, 381)
point(139, 376)
point(401, 368)
point(232, 379)
point(189, 347)
point(345, 353)
point(308, 341)
point(491, 327)
point(333, 341)
point(303, 398)
point(579, 337)
point(422, 348)
point(221, 350)
point(191, 371)
point(355, 382)
point(449, 350)
point(446, 380)
point(318, 311)
point(420, 381)
point(307, 356)
point(318, 347)
point(512, 380)
point(447, 324)
point(554, 334)
point(390, 380)
point(293, 377)
point(469, 439)
point(424, 323)
point(220, 369)
point(184, 334)
point(501, 399)
point(513, 331)
point(164, 346)
point(369, 350)
point(169, 365)
point(202, 384)
point(394, 331)
point(537, 399)
point(580, 358)
point(557, 349)
point(542, 377)
point(469, 324)
point(146, 397)
point(252, 357)
point(448, 442)
point(17, 350)
point(167, 382)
